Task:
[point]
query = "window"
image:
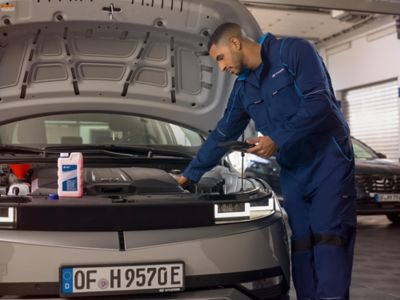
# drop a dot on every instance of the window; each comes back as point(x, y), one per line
point(96, 128)
point(362, 152)
point(373, 116)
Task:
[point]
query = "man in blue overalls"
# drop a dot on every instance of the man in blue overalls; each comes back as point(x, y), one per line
point(284, 87)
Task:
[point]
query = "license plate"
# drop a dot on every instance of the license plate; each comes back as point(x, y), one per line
point(121, 279)
point(388, 197)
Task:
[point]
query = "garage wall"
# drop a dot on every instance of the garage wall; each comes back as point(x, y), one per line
point(367, 66)
point(371, 57)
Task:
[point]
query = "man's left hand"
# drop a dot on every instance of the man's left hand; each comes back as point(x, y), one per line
point(264, 146)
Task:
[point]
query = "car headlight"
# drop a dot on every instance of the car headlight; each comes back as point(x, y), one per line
point(8, 217)
point(231, 212)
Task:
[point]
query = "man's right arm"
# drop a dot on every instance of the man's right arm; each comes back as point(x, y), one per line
point(229, 128)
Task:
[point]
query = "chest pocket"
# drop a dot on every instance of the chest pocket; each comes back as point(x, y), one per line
point(258, 111)
point(255, 106)
point(283, 101)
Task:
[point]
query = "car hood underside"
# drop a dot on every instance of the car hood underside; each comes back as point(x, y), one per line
point(146, 58)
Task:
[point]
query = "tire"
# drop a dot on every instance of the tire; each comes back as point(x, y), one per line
point(394, 218)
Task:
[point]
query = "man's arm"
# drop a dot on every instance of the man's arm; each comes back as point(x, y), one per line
point(304, 62)
point(232, 124)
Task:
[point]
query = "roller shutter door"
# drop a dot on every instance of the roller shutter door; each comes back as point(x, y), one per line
point(373, 116)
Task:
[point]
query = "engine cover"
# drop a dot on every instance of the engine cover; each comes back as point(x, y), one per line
point(98, 181)
point(129, 180)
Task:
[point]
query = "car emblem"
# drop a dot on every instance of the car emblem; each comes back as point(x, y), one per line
point(389, 183)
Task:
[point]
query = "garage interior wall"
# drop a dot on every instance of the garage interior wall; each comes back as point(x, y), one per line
point(365, 71)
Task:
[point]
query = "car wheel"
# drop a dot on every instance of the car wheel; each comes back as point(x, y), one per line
point(394, 218)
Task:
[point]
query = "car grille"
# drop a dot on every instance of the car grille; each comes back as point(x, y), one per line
point(379, 183)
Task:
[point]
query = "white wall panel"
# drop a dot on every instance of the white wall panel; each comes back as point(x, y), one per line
point(365, 61)
point(373, 116)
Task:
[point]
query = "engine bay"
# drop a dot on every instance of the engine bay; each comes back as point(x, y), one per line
point(127, 198)
point(41, 180)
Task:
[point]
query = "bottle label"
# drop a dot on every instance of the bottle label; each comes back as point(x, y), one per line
point(70, 178)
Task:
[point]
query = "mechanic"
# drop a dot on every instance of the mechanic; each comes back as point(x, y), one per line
point(283, 85)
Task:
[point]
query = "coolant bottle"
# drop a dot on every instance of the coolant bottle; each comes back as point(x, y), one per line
point(70, 174)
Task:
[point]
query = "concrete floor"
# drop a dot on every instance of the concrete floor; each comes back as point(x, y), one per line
point(376, 272)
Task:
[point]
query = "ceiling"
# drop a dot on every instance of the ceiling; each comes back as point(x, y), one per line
point(315, 25)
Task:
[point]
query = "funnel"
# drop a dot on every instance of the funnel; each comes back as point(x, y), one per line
point(20, 170)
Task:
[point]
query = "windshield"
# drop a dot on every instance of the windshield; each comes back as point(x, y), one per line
point(96, 129)
point(362, 151)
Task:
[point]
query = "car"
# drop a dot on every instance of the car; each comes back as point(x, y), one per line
point(129, 86)
point(377, 180)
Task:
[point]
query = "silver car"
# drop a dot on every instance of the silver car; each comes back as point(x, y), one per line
point(128, 84)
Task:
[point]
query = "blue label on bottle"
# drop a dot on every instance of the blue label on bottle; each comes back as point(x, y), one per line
point(69, 178)
point(67, 168)
point(70, 185)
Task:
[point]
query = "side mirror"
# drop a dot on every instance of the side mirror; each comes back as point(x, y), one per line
point(381, 155)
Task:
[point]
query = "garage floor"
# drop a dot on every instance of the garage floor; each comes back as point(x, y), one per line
point(376, 272)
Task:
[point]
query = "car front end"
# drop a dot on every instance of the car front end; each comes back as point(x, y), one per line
point(136, 231)
point(129, 85)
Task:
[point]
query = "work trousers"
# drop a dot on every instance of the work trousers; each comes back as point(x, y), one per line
point(323, 225)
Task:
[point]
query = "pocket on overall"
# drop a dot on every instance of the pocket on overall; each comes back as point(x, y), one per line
point(345, 170)
point(344, 147)
point(284, 101)
point(348, 194)
point(257, 111)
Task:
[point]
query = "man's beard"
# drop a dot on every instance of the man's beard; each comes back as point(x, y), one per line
point(238, 64)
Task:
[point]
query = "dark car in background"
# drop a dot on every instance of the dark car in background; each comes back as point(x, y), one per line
point(377, 178)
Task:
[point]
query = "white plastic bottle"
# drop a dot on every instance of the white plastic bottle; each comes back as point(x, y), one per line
point(70, 174)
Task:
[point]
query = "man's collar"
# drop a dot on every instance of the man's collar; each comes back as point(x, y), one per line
point(246, 72)
point(243, 76)
point(262, 38)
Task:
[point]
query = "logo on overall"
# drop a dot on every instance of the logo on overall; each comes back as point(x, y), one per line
point(277, 73)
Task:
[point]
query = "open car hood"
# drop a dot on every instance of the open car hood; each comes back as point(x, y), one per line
point(145, 57)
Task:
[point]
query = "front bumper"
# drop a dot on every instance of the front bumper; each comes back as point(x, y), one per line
point(368, 206)
point(220, 256)
point(49, 290)
point(211, 294)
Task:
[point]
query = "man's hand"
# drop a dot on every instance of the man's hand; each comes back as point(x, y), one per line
point(186, 184)
point(182, 181)
point(264, 146)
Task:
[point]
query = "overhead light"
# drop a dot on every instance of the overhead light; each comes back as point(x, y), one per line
point(347, 16)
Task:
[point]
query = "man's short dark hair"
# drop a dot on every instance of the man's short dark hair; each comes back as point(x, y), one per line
point(224, 31)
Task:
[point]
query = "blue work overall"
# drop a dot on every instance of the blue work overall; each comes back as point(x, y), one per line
point(290, 98)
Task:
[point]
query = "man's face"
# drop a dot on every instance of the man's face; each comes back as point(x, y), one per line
point(228, 57)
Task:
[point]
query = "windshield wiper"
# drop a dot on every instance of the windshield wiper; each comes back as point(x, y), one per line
point(13, 149)
point(127, 151)
point(87, 149)
point(119, 150)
